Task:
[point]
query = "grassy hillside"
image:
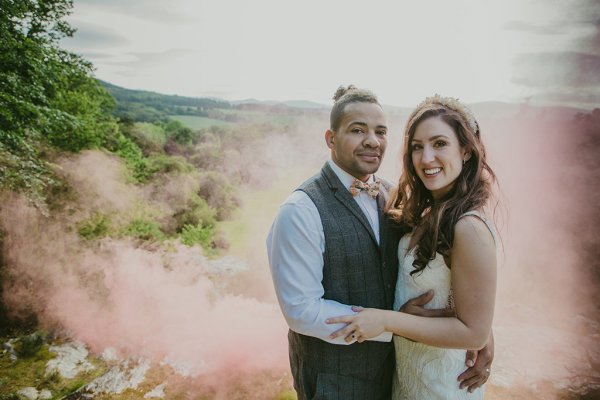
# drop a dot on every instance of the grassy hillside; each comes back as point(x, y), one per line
point(142, 105)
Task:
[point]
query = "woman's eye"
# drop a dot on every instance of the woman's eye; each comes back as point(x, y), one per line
point(417, 147)
point(440, 143)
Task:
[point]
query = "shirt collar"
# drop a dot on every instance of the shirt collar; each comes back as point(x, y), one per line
point(345, 177)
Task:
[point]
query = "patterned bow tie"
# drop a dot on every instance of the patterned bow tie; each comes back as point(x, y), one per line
point(372, 189)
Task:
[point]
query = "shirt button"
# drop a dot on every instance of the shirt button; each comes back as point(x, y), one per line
point(383, 265)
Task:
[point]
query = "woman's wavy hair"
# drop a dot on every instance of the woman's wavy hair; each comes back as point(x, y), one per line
point(412, 205)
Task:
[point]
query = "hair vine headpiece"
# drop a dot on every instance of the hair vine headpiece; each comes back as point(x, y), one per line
point(455, 105)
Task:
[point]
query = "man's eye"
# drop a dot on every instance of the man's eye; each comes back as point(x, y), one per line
point(382, 133)
point(357, 130)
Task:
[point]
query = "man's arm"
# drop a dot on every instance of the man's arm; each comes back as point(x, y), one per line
point(295, 247)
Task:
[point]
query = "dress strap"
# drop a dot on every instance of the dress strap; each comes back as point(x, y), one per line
point(485, 220)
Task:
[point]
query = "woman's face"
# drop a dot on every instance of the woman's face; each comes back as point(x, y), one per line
point(437, 155)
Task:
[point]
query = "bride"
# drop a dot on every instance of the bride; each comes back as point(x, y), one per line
point(450, 249)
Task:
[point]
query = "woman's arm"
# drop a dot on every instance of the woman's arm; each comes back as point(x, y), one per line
point(474, 288)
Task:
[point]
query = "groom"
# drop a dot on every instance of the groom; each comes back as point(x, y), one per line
point(331, 247)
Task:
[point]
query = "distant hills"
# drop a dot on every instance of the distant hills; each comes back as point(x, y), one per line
point(290, 103)
point(147, 106)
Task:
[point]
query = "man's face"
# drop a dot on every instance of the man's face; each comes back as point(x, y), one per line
point(359, 143)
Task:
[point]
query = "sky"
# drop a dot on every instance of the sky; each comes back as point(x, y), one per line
point(542, 51)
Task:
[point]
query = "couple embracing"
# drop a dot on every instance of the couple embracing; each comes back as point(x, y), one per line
point(389, 292)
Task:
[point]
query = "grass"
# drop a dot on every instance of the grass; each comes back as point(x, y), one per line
point(30, 370)
point(259, 208)
point(195, 122)
point(245, 117)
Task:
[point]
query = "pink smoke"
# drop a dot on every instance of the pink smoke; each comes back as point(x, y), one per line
point(170, 303)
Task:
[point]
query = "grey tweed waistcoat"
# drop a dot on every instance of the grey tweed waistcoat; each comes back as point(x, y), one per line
point(357, 271)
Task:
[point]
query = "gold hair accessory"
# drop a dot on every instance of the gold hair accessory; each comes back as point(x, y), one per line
point(455, 105)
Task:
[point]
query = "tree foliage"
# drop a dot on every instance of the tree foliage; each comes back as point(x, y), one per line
point(48, 96)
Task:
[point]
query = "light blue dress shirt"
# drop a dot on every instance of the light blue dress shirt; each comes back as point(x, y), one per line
point(295, 247)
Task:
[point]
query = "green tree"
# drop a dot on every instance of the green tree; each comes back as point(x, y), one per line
point(47, 95)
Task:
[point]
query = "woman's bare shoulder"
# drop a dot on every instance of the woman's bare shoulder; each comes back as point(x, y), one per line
point(472, 230)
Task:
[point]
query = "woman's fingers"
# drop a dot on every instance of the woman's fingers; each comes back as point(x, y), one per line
point(344, 319)
point(346, 332)
point(350, 338)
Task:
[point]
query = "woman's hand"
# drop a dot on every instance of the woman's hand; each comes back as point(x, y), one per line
point(367, 324)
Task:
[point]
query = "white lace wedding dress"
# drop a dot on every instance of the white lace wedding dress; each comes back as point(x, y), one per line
point(422, 371)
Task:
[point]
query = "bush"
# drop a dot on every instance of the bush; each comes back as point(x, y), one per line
point(167, 164)
point(134, 159)
point(31, 344)
point(219, 193)
point(197, 213)
point(145, 230)
point(23, 169)
point(196, 234)
point(180, 133)
point(95, 227)
point(150, 138)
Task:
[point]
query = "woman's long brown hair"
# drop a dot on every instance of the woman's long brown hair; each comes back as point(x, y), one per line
point(412, 205)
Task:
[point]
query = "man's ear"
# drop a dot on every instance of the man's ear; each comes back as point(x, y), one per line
point(329, 138)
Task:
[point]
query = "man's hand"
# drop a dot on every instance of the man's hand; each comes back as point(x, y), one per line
point(416, 307)
point(479, 363)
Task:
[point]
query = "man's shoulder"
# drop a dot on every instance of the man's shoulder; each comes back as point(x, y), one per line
point(311, 182)
point(297, 211)
point(298, 198)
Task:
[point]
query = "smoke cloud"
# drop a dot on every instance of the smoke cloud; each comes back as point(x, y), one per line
point(219, 318)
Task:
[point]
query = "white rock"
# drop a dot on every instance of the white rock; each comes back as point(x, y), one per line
point(182, 370)
point(109, 354)
point(71, 359)
point(44, 394)
point(158, 392)
point(227, 264)
point(9, 346)
point(119, 378)
point(138, 374)
point(29, 393)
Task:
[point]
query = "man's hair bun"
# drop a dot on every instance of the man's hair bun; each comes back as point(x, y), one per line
point(342, 91)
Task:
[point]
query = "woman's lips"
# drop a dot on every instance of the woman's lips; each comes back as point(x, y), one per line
point(432, 172)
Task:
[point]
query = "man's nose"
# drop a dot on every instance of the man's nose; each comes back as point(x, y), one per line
point(371, 140)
